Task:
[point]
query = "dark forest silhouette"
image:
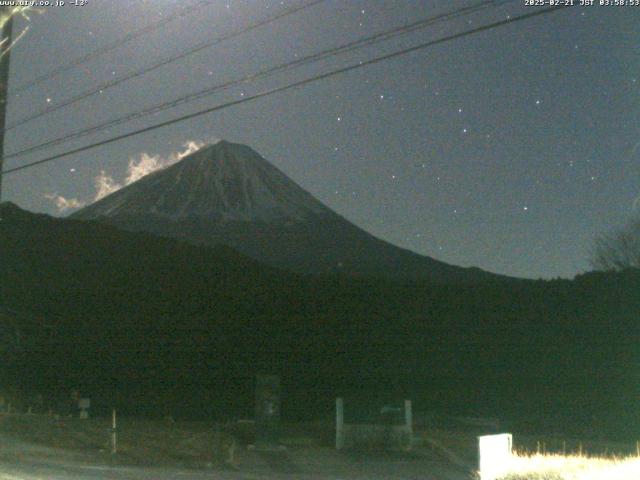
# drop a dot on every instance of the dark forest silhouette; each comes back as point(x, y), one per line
point(155, 325)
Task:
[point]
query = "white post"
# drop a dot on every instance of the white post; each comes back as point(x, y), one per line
point(84, 404)
point(408, 424)
point(494, 455)
point(339, 423)
point(408, 415)
point(114, 434)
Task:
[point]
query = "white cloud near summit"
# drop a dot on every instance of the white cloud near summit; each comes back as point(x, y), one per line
point(146, 164)
point(105, 184)
point(63, 204)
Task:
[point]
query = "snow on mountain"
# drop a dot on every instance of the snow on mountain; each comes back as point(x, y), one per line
point(225, 181)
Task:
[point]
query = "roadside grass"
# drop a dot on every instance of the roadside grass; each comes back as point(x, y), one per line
point(465, 444)
point(139, 442)
point(548, 457)
point(571, 467)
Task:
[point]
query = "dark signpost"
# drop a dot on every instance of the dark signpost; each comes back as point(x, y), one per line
point(267, 411)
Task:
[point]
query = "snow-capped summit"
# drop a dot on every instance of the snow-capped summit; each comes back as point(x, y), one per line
point(227, 182)
point(228, 194)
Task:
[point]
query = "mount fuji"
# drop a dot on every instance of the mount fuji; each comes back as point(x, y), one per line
point(228, 194)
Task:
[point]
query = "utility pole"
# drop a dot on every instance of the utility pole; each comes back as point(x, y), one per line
point(6, 38)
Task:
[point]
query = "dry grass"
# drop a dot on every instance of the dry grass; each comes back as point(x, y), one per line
point(542, 458)
point(139, 442)
point(571, 467)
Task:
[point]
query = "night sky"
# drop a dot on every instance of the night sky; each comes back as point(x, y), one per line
point(508, 150)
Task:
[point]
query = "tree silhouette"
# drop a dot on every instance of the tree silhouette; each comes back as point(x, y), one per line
point(619, 249)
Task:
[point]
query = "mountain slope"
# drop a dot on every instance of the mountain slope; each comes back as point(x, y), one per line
point(228, 194)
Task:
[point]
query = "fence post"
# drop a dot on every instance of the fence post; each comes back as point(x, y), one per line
point(114, 434)
point(339, 423)
point(408, 420)
point(408, 415)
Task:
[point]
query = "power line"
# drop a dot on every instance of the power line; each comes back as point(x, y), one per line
point(357, 44)
point(111, 46)
point(166, 61)
point(290, 86)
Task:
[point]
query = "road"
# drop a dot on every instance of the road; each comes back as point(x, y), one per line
point(19, 461)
